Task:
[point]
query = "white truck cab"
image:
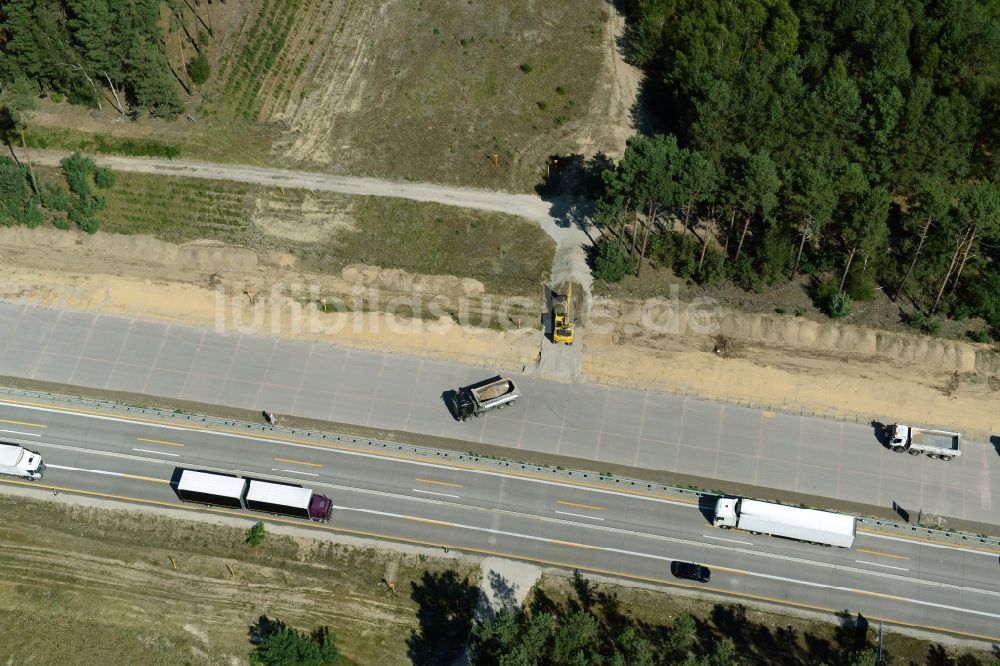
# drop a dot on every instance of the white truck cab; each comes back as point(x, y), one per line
point(725, 512)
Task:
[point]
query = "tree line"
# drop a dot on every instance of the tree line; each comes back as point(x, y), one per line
point(855, 142)
point(104, 51)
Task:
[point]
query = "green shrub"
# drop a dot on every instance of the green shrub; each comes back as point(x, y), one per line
point(686, 262)
point(662, 249)
point(55, 197)
point(526, 68)
point(829, 299)
point(31, 216)
point(984, 297)
point(199, 68)
point(104, 178)
point(255, 535)
point(982, 337)
point(775, 256)
point(77, 169)
point(284, 646)
point(713, 267)
point(840, 305)
point(611, 264)
point(15, 189)
point(744, 274)
point(860, 284)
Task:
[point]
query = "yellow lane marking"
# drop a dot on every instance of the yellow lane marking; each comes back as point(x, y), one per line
point(907, 537)
point(24, 423)
point(496, 553)
point(440, 483)
point(570, 543)
point(429, 521)
point(158, 441)
point(582, 506)
point(149, 479)
point(881, 554)
point(768, 415)
point(297, 462)
point(879, 595)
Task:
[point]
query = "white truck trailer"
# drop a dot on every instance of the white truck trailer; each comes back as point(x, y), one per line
point(18, 461)
point(810, 525)
point(939, 444)
point(475, 400)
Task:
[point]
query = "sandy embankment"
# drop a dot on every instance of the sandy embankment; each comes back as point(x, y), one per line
point(204, 285)
point(797, 365)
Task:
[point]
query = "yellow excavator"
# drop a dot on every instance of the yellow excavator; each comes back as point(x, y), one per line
point(563, 324)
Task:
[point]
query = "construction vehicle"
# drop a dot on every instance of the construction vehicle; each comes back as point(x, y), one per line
point(477, 399)
point(563, 323)
point(940, 444)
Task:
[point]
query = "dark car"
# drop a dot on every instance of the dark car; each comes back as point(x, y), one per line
point(691, 571)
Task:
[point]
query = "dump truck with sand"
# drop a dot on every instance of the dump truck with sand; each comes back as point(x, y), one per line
point(479, 398)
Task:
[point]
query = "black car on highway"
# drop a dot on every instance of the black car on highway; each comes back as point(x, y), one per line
point(691, 571)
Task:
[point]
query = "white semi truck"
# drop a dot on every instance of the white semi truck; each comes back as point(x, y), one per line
point(939, 444)
point(18, 461)
point(810, 525)
point(479, 398)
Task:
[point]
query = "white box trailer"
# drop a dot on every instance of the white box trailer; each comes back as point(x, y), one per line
point(18, 461)
point(211, 488)
point(810, 525)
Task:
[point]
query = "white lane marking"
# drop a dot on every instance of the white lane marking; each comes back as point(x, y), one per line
point(878, 564)
point(709, 536)
point(796, 581)
point(92, 471)
point(360, 454)
point(877, 535)
point(431, 492)
point(18, 432)
point(158, 453)
point(579, 515)
point(293, 471)
point(657, 537)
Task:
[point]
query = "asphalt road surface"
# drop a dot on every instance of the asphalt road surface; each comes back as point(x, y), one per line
point(919, 583)
point(398, 393)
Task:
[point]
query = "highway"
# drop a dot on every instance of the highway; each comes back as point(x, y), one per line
point(567, 523)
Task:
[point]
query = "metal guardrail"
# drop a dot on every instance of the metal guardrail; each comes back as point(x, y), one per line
point(485, 461)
